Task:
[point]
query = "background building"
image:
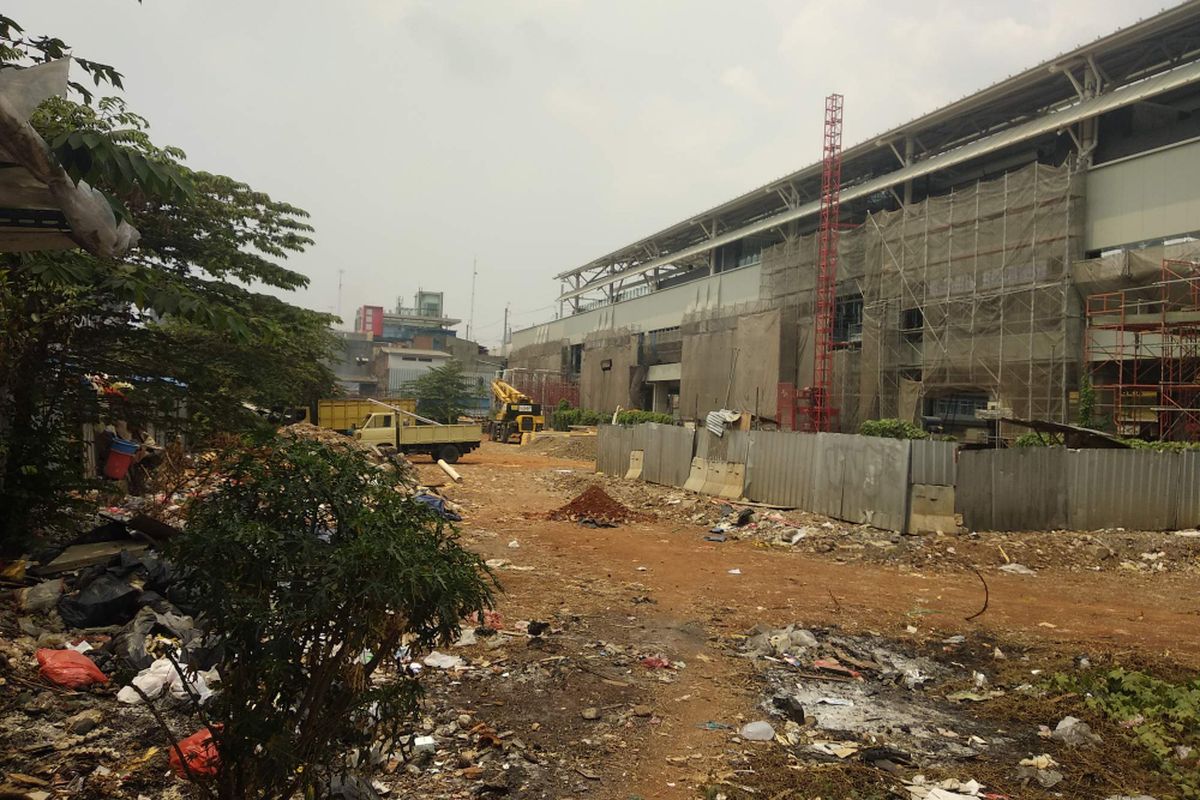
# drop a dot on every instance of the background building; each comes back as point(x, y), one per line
point(973, 239)
point(389, 349)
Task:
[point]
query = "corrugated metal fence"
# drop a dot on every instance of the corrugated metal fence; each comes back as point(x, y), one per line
point(1056, 488)
point(870, 480)
point(855, 478)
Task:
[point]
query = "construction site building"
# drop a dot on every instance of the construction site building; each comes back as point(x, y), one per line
point(972, 241)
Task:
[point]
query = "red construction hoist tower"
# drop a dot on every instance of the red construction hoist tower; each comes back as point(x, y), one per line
point(822, 413)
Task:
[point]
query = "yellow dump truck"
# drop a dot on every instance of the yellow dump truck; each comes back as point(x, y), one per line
point(344, 414)
point(448, 442)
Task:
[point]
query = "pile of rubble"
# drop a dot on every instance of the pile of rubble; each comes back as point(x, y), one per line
point(385, 457)
point(594, 506)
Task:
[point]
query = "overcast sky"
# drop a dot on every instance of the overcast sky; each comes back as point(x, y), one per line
point(533, 134)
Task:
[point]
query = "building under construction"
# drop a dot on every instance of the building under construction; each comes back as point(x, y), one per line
point(991, 255)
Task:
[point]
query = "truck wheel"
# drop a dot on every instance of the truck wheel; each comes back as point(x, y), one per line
point(449, 454)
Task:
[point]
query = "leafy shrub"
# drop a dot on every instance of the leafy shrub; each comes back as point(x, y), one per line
point(892, 429)
point(311, 567)
point(1160, 716)
point(1163, 447)
point(1035, 439)
point(564, 417)
point(637, 417)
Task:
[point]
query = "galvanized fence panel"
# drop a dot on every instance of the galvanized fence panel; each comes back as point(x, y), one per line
point(677, 447)
point(1187, 514)
point(829, 475)
point(651, 446)
point(933, 462)
point(875, 481)
point(737, 446)
point(780, 471)
point(1054, 488)
point(613, 443)
point(1122, 489)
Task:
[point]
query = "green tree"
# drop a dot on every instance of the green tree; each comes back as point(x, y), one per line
point(176, 320)
point(443, 392)
point(312, 568)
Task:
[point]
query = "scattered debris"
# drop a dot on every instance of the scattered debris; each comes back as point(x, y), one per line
point(1074, 732)
point(757, 732)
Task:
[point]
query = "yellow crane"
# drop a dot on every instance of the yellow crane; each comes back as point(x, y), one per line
point(514, 413)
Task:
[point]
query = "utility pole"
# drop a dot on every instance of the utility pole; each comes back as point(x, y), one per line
point(341, 272)
point(471, 318)
point(504, 332)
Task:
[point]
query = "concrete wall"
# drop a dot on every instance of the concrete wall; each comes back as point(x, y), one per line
point(620, 384)
point(663, 309)
point(756, 346)
point(549, 356)
point(1152, 196)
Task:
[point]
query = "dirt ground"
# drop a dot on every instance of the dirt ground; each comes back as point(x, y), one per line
point(631, 645)
point(657, 588)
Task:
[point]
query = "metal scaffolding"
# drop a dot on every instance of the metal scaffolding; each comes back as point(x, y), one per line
point(1143, 353)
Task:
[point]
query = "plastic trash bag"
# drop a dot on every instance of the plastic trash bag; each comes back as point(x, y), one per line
point(69, 668)
point(199, 753)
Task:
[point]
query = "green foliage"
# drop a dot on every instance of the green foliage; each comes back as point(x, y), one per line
point(1087, 403)
point(1162, 447)
point(565, 416)
point(1036, 439)
point(1160, 716)
point(17, 49)
point(443, 392)
point(312, 569)
point(891, 429)
point(635, 417)
point(176, 319)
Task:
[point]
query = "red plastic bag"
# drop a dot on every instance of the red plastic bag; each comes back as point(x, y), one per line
point(69, 668)
point(200, 751)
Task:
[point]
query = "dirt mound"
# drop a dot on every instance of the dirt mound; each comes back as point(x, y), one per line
point(595, 504)
point(571, 448)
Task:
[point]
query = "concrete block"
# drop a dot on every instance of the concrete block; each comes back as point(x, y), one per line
point(636, 459)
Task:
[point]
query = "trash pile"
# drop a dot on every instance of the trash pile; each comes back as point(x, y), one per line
point(99, 636)
point(385, 457)
point(842, 696)
point(596, 509)
point(98, 618)
point(832, 698)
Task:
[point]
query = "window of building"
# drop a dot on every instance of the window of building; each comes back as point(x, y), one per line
point(848, 319)
point(576, 359)
point(912, 322)
point(957, 407)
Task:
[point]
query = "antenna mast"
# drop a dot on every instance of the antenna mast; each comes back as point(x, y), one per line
point(471, 318)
